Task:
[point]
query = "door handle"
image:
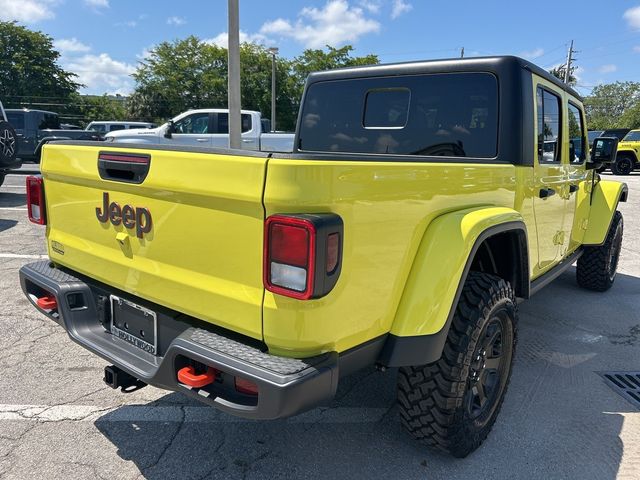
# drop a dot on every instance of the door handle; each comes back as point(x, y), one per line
point(547, 192)
point(573, 188)
point(248, 140)
point(202, 139)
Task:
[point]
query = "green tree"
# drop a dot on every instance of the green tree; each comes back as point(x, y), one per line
point(612, 105)
point(313, 60)
point(559, 72)
point(190, 73)
point(28, 67)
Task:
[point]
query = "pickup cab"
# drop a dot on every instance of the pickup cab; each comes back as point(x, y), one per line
point(209, 128)
point(421, 203)
point(36, 128)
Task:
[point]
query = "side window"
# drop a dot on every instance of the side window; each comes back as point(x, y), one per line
point(197, 123)
point(548, 126)
point(577, 150)
point(16, 120)
point(49, 120)
point(113, 128)
point(223, 123)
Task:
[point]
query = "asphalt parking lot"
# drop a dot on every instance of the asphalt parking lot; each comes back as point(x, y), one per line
point(559, 419)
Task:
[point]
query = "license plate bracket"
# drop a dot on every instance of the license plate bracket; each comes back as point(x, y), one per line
point(134, 324)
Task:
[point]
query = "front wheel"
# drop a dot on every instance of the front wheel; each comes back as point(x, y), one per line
point(597, 267)
point(623, 165)
point(453, 403)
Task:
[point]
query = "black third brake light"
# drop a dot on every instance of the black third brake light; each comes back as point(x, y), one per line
point(302, 254)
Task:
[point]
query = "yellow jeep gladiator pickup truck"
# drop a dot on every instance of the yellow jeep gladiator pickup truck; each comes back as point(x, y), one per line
point(421, 202)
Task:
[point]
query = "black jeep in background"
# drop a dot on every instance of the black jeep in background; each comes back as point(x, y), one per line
point(8, 159)
point(34, 128)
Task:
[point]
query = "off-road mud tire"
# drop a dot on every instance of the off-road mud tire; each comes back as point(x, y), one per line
point(433, 398)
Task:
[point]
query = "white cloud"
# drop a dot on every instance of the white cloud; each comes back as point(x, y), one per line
point(608, 68)
point(176, 21)
point(372, 6)
point(27, 11)
point(532, 54)
point(636, 49)
point(632, 16)
point(102, 74)
point(334, 24)
point(222, 39)
point(127, 24)
point(400, 7)
point(70, 45)
point(97, 3)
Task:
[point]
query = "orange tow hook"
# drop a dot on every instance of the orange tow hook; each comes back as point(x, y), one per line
point(188, 376)
point(47, 303)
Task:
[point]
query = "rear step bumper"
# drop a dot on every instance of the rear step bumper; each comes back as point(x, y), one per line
point(286, 386)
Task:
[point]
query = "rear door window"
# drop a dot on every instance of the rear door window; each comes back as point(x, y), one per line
point(221, 125)
point(114, 128)
point(548, 126)
point(449, 114)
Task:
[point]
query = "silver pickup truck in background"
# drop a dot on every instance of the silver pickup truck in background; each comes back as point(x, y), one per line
point(209, 128)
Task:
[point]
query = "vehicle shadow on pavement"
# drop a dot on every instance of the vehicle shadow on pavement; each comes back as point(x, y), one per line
point(559, 419)
point(7, 224)
point(10, 199)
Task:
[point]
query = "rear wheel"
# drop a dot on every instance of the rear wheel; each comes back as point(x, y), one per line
point(623, 165)
point(597, 267)
point(453, 403)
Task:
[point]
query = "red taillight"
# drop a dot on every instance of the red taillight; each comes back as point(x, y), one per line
point(289, 253)
point(35, 200)
point(246, 386)
point(290, 244)
point(302, 254)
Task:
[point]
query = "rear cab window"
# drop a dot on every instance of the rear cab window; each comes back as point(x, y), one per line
point(439, 114)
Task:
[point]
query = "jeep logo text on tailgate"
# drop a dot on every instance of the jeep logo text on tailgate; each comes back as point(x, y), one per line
point(138, 217)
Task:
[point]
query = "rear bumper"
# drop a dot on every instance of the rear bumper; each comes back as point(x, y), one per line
point(286, 386)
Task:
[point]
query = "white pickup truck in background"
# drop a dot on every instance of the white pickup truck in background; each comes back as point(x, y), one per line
point(208, 128)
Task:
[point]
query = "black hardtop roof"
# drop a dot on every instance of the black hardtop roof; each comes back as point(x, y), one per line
point(491, 64)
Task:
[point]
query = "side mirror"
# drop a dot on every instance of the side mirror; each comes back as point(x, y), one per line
point(604, 151)
point(168, 133)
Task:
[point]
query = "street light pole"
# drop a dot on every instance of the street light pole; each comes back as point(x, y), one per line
point(233, 59)
point(274, 52)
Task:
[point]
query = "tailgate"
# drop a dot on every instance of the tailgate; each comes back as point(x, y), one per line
point(195, 226)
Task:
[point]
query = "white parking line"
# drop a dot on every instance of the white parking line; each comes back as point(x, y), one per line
point(173, 413)
point(20, 255)
point(23, 187)
point(15, 209)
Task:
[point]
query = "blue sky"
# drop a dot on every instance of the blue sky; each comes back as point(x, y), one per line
point(103, 40)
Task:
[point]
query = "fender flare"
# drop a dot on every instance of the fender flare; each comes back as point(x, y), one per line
point(409, 343)
point(606, 196)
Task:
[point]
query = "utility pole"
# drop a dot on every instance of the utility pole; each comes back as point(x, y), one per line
point(233, 59)
point(274, 52)
point(567, 71)
point(462, 52)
